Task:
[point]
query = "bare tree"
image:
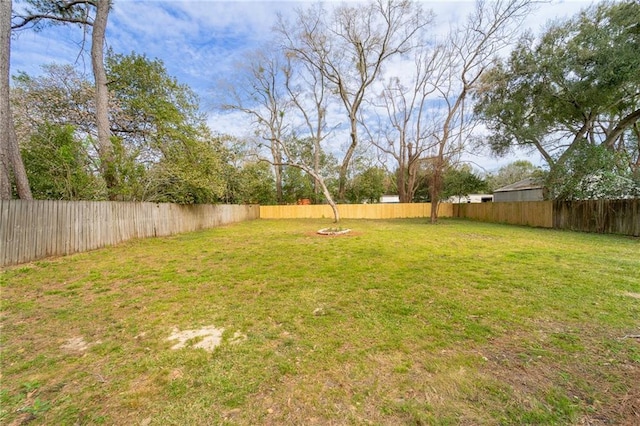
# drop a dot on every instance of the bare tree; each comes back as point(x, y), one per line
point(10, 158)
point(260, 93)
point(79, 12)
point(404, 131)
point(470, 49)
point(349, 47)
point(428, 117)
point(287, 106)
point(309, 95)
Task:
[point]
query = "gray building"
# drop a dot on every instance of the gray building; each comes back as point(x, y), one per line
point(529, 189)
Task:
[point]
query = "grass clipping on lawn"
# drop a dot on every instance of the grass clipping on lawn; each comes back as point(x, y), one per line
point(401, 323)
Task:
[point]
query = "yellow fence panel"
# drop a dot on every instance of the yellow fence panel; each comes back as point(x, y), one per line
point(355, 211)
point(531, 213)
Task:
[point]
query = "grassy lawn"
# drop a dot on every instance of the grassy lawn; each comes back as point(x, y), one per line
point(399, 322)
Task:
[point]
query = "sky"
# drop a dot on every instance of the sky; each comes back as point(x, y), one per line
point(202, 41)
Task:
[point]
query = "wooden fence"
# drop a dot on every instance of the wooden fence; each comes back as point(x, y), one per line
point(530, 213)
point(601, 216)
point(31, 230)
point(354, 211)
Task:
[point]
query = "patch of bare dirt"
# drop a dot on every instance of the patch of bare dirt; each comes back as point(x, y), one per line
point(75, 344)
point(634, 295)
point(207, 338)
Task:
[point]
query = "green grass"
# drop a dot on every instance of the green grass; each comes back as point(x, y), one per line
point(399, 322)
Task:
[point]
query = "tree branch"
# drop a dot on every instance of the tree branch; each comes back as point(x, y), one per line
point(625, 123)
point(61, 8)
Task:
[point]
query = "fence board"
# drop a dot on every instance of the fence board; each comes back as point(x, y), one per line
point(4, 218)
point(9, 230)
point(24, 236)
point(37, 230)
point(31, 230)
point(599, 216)
point(3, 230)
point(354, 211)
point(530, 213)
point(14, 238)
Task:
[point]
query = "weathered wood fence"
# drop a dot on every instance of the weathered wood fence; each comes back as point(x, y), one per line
point(31, 230)
point(601, 216)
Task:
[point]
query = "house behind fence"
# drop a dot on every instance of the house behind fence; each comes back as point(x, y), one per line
point(528, 189)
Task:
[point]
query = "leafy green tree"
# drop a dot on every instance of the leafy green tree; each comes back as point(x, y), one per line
point(162, 149)
point(512, 173)
point(578, 81)
point(191, 170)
point(131, 183)
point(257, 184)
point(159, 118)
point(367, 186)
point(296, 185)
point(153, 108)
point(462, 181)
point(174, 181)
point(593, 172)
point(58, 165)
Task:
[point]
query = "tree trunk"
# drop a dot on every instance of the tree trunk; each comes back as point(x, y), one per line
point(5, 117)
point(327, 194)
point(10, 158)
point(316, 166)
point(320, 181)
point(436, 187)
point(344, 168)
point(102, 97)
point(19, 172)
point(279, 192)
point(334, 207)
point(411, 180)
point(401, 177)
point(277, 170)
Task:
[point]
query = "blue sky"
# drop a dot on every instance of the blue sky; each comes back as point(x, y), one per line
point(200, 41)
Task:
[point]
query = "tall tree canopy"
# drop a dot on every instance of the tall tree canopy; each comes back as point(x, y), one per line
point(92, 14)
point(578, 84)
point(163, 149)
